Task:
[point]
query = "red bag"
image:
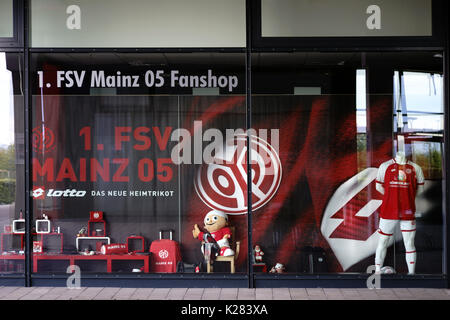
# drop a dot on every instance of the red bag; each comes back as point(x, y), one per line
point(165, 254)
point(114, 248)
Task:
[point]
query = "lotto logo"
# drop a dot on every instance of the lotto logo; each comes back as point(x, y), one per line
point(350, 220)
point(38, 193)
point(222, 184)
point(163, 254)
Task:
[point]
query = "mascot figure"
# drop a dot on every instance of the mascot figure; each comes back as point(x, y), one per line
point(216, 232)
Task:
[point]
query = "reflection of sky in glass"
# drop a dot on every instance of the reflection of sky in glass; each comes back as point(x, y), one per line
point(422, 100)
point(425, 122)
point(361, 121)
point(6, 104)
point(423, 92)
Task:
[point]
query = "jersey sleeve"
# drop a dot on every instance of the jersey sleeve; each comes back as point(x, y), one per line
point(381, 173)
point(419, 174)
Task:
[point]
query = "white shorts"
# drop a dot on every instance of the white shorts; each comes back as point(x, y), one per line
point(387, 226)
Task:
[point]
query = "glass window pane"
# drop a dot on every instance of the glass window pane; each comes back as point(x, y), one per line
point(334, 148)
point(346, 18)
point(138, 23)
point(12, 201)
point(132, 145)
point(6, 19)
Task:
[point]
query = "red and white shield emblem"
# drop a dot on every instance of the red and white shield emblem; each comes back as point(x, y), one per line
point(222, 184)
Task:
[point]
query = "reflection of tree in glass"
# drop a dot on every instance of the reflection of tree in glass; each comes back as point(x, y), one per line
point(430, 161)
point(361, 149)
point(7, 174)
point(7, 159)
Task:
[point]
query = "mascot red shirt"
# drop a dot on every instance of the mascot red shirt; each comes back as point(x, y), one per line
point(216, 223)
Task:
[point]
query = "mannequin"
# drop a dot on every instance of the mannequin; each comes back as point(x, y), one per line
point(399, 181)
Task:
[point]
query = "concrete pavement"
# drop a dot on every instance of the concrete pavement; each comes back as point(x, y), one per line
point(111, 293)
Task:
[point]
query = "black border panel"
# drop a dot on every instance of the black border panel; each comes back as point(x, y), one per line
point(446, 219)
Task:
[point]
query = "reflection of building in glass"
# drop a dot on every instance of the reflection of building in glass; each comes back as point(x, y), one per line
point(6, 104)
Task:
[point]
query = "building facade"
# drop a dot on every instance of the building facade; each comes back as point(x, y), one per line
point(307, 138)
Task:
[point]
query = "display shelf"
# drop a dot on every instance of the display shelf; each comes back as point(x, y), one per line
point(135, 244)
point(12, 257)
point(72, 259)
point(260, 267)
point(93, 226)
point(12, 234)
point(43, 226)
point(12, 263)
point(45, 236)
point(18, 226)
point(78, 239)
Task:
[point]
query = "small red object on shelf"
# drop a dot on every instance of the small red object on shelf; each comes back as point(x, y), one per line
point(96, 219)
point(135, 244)
point(37, 247)
point(114, 248)
point(96, 216)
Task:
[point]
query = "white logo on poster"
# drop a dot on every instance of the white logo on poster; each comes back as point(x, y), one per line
point(163, 254)
point(350, 251)
point(223, 187)
point(39, 193)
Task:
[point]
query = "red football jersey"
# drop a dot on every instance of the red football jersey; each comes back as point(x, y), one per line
point(400, 184)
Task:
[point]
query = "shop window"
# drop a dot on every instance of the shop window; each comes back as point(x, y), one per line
point(11, 165)
point(348, 18)
point(419, 118)
point(124, 161)
point(6, 19)
point(324, 215)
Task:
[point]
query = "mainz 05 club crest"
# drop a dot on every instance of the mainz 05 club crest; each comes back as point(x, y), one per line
point(43, 139)
point(222, 184)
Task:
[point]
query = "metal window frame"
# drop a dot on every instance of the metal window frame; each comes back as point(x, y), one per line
point(16, 41)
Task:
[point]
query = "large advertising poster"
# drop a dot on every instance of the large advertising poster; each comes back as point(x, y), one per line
point(317, 209)
point(325, 215)
point(135, 158)
point(158, 162)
